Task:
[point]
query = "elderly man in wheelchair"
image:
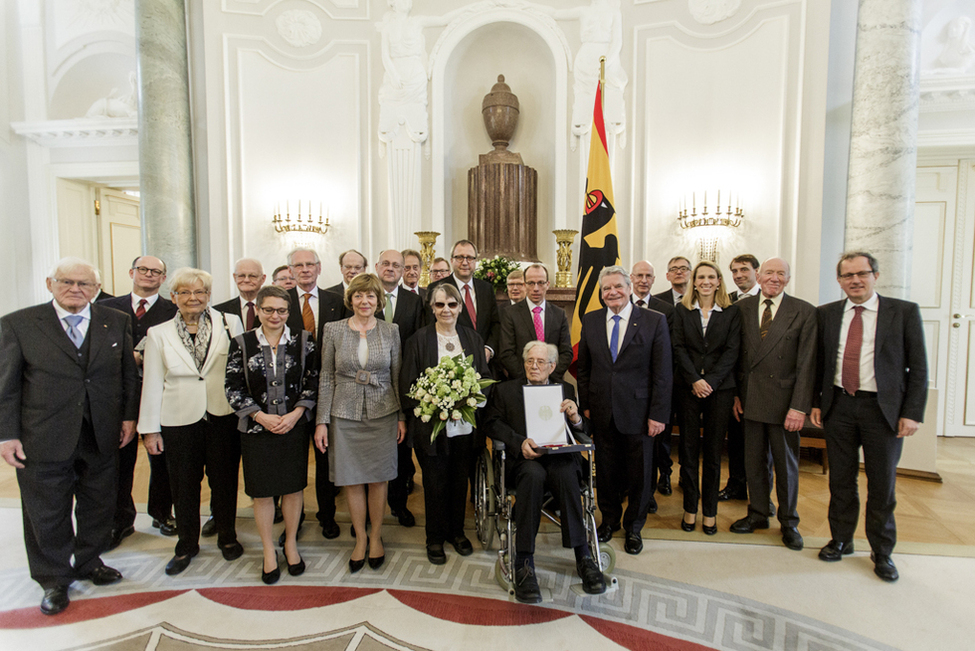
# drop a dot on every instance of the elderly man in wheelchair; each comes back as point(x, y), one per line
point(534, 471)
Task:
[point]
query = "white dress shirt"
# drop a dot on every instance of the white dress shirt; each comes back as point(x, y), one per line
point(82, 326)
point(312, 302)
point(150, 301)
point(624, 321)
point(460, 286)
point(646, 299)
point(775, 306)
point(262, 340)
point(705, 318)
point(868, 379)
point(395, 292)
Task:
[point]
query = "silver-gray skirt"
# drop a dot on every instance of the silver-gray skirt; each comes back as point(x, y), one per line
point(362, 451)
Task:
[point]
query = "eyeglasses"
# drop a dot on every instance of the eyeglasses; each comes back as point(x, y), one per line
point(683, 269)
point(440, 305)
point(247, 276)
point(268, 311)
point(83, 285)
point(465, 258)
point(146, 271)
point(439, 272)
point(862, 275)
point(536, 363)
point(196, 293)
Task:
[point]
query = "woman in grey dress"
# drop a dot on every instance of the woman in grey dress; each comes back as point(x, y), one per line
point(359, 417)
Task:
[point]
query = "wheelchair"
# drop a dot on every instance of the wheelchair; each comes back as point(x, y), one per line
point(494, 504)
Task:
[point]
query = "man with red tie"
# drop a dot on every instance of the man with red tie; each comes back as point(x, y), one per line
point(873, 386)
point(249, 277)
point(534, 319)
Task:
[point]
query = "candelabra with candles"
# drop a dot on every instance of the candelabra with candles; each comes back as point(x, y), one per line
point(730, 214)
point(301, 223)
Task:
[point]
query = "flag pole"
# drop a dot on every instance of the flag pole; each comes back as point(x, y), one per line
point(602, 80)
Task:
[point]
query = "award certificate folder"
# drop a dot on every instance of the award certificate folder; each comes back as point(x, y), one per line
point(544, 422)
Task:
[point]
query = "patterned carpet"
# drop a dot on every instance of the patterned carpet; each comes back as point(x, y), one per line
point(407, 604)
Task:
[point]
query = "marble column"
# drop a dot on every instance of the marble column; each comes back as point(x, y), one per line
point(883, 142)
point(165, 144)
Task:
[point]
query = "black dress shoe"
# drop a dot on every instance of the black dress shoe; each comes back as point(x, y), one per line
point(731, 492)
point(377, 562)
point(55, 600)
point(749, 524)
point(298, 568)
point(462, 545)
point(330, 529)
point(104, 575)
point(593, 581)
point(791, 538)
point(652, 507)
point(405, 517)
point(633, 544)
point(884, 567)
point(232, 552)
point(166, 527)
point(604, 532)
point(771, 509)
point(835, 550)
point(663, 485)
point(526, 585)
point(435, 554)
point(709, 530)
point(687, 526)
point(271, 577)
point(209, 528)
point(179, 563)
point(118, 535)
point(355, 566)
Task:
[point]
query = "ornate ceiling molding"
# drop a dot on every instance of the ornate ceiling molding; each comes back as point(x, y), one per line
point(80, 132)
point(941, 94)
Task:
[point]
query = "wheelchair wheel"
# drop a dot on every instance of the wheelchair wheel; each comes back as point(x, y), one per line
point(502, 579)
point(607, 557)
point(485, 508)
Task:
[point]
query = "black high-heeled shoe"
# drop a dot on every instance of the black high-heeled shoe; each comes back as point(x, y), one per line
point(709, 530)
point(687, 526)
point(298, 568)
point(377, 562)
point(356, 565)
point(271, 577)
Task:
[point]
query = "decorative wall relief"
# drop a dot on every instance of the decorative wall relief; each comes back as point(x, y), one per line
point(601, 32)
point(708, 12)
point(117, 106)
point(958, 55)
point(299, 27)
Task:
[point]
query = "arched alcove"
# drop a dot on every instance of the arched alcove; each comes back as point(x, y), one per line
point(531, 54)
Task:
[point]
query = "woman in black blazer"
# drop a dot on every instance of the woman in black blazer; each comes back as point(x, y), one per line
point(706, 338)
point(446, 462)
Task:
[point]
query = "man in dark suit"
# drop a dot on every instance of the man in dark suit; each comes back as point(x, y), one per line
point(777, 374)
point(311, 308)
point(405, 309)
point(351, 264)
point(68, 401)
point(534, 319)
point(744, 272)
point(625, 375)
point(531, 473)
point(145, 308)
point(642, 277)
point(678, 274)
point(283, 278)
point(872, 375)
point(480, 306)
point(249, 278)
point(515, 284)
point(412, 266)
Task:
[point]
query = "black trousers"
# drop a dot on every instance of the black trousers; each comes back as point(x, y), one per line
point(396, 496)
point(324, 489)
point(854, 422)
point(759, 438)
point(445, 479)
point(712, 414)
point(160, 498)
point(624, 462)
point(48, 491)
point(212, 444)
point(561, 475)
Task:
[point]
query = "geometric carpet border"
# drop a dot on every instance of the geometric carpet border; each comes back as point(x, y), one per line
point(712, 619)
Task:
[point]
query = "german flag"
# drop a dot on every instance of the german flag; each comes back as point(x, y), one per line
point(600, 234)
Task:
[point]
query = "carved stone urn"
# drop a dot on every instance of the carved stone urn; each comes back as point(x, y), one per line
point(500, 111)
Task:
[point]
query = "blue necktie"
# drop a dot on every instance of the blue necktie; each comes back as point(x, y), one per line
point(614, 339)
point(73, 333)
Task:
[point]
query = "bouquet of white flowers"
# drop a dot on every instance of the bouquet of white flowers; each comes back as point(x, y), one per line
point(451, 390)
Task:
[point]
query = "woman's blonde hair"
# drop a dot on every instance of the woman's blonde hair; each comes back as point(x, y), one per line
point(720, 294)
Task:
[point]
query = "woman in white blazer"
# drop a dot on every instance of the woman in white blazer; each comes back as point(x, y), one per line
point(185, 410)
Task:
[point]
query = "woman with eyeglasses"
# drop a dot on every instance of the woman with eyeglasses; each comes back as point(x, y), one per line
point(359, 418)
point(272, 384)
point(184, 410)
point(706, 336)
point(447, 461)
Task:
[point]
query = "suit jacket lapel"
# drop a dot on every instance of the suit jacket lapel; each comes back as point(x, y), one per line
point(98, 333)
point(216, 332)
point(50, 324)
point(636, 318)
point(550, 326)
point(780, 323)
point(883, 319)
